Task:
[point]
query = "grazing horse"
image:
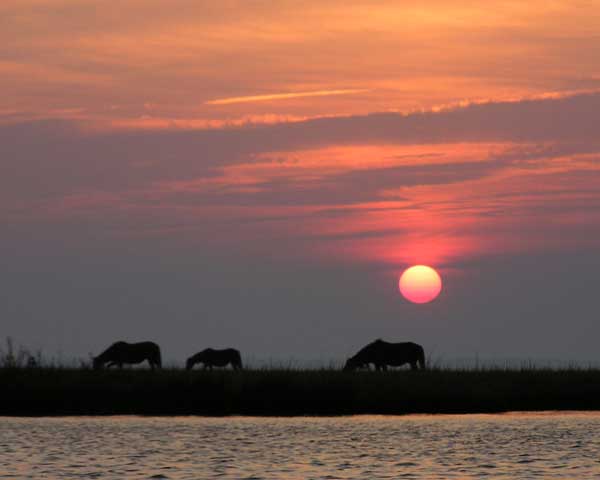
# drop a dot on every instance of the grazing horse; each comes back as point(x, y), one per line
point(120, 353)
point(382, 354)
point(216, 358)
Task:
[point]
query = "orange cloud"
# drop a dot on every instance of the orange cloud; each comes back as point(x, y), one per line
point(424, 188)
point(188, 60)
point(283, 96)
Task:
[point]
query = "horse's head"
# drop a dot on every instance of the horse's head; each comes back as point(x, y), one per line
point(97, 363)
point(352, 364)
point(189, 364)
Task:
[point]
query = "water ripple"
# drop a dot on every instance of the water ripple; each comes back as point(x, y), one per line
point(549, 446)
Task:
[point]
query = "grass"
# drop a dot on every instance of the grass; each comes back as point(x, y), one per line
point(82, 391)
point(31, 386)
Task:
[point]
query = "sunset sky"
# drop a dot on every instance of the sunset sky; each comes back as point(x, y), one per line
point(258, 174)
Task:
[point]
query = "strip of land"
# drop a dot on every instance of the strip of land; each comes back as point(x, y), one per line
point(58, 391)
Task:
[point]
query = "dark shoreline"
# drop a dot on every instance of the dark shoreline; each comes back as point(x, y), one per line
point(61, 391)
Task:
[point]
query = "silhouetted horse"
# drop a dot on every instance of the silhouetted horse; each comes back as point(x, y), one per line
point(120, 353)
point(216, 358)
point(382, 354)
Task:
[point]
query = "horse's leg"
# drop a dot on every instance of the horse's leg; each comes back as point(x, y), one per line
point(413, 366)
point(384, 367)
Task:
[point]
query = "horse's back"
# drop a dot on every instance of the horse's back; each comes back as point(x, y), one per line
point(394, 354)
point(137, 352)
point(404, 352)
point(227, 355)
point(147, 346)
point(407, 346)
point(219, 358)
point(232, 353)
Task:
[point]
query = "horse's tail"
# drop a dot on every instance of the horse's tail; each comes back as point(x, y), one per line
point(157, 357)
point(238, 360)
point(421, 358)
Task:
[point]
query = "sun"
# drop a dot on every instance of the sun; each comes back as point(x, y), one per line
point(420, 284)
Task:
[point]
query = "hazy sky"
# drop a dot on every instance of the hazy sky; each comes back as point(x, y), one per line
point(257, 174)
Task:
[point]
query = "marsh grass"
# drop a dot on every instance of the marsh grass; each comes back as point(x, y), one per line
point(18, 357)
point(293, 391)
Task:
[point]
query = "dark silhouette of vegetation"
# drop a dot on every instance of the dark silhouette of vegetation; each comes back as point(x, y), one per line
point(210, 358)
point(39, 387)
point(123, 353)
point(12, 357)
point(84, 391)
point(381, 354)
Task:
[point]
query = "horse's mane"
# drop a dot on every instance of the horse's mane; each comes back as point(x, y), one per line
point(370, 346)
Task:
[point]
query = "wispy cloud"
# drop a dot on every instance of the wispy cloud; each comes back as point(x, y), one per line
point(482, 178)
point(284, 96)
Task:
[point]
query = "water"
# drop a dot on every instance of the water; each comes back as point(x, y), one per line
point(548, 446)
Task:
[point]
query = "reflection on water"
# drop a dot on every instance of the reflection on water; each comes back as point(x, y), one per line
point(550, 445)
